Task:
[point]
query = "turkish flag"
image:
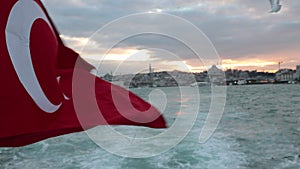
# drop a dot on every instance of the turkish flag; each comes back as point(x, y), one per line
point(43, 94)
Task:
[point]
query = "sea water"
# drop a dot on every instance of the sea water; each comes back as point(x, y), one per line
point(260, 129)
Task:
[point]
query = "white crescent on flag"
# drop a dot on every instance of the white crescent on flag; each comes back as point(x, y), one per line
point(17, 34)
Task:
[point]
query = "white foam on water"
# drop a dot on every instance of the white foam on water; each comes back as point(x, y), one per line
point(189, 154)
point(259, 130)
point(77, 151)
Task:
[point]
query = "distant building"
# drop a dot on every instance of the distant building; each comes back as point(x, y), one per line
point(297, 76)
point(108, 77)
point(216, 75)
point(244, 75)
point(285, 75)
point(229, 74)
point(141, 80)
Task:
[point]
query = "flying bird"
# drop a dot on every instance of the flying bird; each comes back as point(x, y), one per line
point(275, 6)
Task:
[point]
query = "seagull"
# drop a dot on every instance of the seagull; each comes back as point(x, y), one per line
point(275, 7)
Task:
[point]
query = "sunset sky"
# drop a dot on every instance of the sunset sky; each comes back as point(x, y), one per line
point(243, 32)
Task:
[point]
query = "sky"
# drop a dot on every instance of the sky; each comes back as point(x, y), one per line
point(125, 36)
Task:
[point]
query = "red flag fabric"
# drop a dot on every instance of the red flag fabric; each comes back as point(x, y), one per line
point(43, 94)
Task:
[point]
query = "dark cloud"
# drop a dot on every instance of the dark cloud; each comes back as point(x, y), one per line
point(237, 28)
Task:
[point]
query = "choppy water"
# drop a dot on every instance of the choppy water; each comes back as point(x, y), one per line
point(260, 129)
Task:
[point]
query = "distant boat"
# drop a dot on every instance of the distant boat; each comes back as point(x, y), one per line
point(200, 84)
point(242, 82)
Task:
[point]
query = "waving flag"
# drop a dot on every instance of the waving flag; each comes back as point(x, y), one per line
point(37, 83)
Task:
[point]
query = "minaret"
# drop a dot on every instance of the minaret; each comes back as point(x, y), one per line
point(150, 69)
point(279, 63)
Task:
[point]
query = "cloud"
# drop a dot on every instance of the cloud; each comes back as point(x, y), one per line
point(239, 29)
